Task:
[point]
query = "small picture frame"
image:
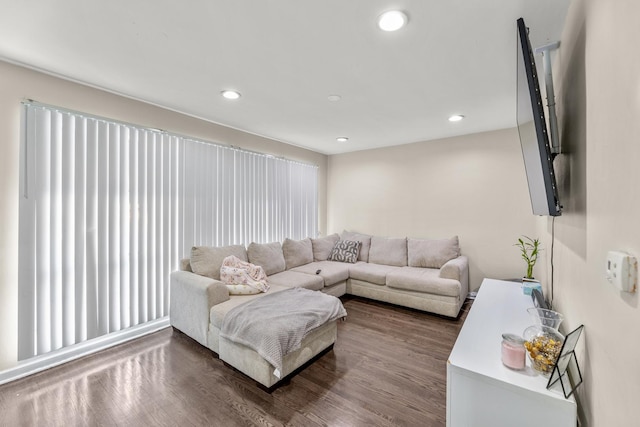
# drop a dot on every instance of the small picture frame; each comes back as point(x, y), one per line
point(566, 369)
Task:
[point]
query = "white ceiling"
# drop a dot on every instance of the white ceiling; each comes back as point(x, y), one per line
point(287, 56)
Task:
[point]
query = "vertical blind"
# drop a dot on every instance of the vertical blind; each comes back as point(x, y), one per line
point(107, 209)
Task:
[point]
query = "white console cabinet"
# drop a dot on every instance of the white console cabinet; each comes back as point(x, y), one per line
point(481, 391)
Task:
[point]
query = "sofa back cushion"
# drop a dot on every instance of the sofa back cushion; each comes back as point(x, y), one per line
point(322, 246)
point(267, 255)
point(207, 260)
point(297, 252)
point(365, 243)
point(432, 253)
point(388, 251)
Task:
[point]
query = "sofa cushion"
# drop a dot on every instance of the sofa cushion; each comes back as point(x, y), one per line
point(423, 280)
point(322, 247)
point(331, 272)
point(295, 279)
point(345, 251)
point(267, 255)
point(432, 253)
point(365, 239)
point(207, 260)
point(297, 252)
point(388, 251)
point(373, 273)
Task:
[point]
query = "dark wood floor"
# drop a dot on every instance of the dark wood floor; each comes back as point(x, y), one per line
point(388, 367)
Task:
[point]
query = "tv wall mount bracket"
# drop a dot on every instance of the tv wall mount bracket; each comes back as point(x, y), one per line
point(551, 99)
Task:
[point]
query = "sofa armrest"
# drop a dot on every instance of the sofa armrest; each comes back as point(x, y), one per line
point(192, 297)
point(457, 269)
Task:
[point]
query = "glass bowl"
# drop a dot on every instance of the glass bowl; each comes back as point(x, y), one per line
point(543, 345)
point(544, 317)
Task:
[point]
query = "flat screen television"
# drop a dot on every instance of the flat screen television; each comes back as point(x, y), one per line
point(532, 127)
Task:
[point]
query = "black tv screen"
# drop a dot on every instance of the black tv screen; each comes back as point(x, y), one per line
point(532, 127)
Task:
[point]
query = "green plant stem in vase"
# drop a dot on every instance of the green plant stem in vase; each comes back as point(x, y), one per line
point(529, 249)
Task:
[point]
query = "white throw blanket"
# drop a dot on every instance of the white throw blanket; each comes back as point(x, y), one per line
point(275, 324)
point(236, 274)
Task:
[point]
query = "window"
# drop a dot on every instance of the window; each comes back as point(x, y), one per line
point(107, 210)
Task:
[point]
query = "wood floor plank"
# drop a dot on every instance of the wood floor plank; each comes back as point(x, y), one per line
point(388, 368)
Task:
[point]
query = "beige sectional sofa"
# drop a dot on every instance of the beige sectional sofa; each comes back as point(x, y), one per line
point(424, 274)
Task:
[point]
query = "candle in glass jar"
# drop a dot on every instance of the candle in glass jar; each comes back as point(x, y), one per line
point(513, 351)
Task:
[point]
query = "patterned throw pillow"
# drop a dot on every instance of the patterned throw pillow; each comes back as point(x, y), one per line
point(345, 251)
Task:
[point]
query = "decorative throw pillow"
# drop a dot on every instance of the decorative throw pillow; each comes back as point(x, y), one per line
point(365, 241)
point(432, 253)
point(345, 251)
point(322, 246)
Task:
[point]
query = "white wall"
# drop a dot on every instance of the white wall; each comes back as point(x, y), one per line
point(597, 78)
point(17, 84)
point(473, 186)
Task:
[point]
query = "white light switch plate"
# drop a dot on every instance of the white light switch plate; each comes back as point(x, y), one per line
point(622, 271)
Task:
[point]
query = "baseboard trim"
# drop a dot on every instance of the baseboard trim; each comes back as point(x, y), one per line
point(40, 363)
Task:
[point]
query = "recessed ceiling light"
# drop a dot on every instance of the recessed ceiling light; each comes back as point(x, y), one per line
point(334, 98)
point(230, 94)
point(342, 139)
point(456, 118)
point(392, 20)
